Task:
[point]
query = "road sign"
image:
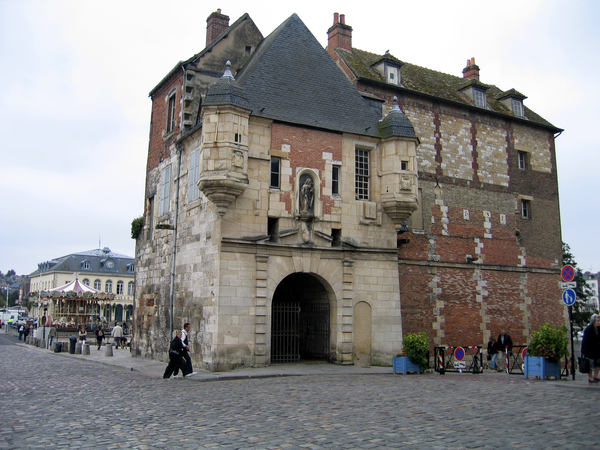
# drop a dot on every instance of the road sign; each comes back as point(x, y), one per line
point(569, 297)
point(459, 353)
point(459, 365)
point(568, 273)
point(568, 285)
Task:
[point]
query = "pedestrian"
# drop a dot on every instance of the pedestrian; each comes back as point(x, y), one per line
point(492, 355)
point(176, 361)
point(21, 329)
point(28, 329)
point(99, 335)
point(117, 334)
point(51, 335)
point(186, 350)
point(590, 347)
point(82, 334)
point(505, 346)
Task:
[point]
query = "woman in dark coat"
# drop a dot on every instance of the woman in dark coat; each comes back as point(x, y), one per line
point(176, 360)
point(99, 335)
point(590, 346)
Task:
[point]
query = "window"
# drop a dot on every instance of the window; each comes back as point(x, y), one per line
point(130, 268)
point(361, 181)
point(130, 288)
point(108, 287)
point(336, 235)
point(165, 187)
point(273, 224)
point(517, 106)
point(85, 265)
point(479, 97)
point(86, 281)
point(194, 175)
point(171, 113)
point(522, 159)
point(393, 75)
point(275, 172)
point(335, 180)
point(403, 165)
point(97, 285)
point(120, 287)
point(525, 209)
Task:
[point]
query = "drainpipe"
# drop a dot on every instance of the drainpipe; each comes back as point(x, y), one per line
point(174, 256)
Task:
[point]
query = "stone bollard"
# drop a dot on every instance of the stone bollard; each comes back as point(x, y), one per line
point(108, 351)
point(65, 347)
point(78, 348)
point(42, 343)
point(85, 349)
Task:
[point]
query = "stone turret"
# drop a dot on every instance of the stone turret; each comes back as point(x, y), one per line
point(224, 151)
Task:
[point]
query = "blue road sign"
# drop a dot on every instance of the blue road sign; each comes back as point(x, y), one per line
point(569, 297)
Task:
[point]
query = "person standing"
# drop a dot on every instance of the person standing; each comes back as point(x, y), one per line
point(176, 361)
point(492, 349)
point(82, 334)
point(590, 347)
point(505, 346)
point(117, 334)
point(21, 330)
point(99, 335)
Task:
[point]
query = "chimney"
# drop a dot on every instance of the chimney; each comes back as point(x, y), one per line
point(471, 71)
point(339, 35)
point(215, 25)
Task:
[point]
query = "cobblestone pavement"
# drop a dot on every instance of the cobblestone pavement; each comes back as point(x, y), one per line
point(54, 402)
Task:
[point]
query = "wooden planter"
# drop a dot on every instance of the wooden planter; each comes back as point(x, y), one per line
point(404, 364)
point(537, 366)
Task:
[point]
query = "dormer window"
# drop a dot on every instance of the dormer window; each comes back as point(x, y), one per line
point(389, 67)
point(392, 74)
point(517, 107)
point(85, 265)
point(479, 98)
point(513, 100)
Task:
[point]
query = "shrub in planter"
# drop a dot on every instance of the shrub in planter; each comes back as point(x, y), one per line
point(416, 347)
point(549, 342)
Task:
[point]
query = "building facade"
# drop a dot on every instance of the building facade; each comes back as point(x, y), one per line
point(318, 204)
point(101, 269)
point(483, 251)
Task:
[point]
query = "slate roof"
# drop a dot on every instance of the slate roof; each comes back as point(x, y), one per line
point(96, 257)
point(291, 78)
point(226, 91)
point(420, 80)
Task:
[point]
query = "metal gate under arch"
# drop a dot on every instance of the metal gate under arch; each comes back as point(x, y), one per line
point(299, 331)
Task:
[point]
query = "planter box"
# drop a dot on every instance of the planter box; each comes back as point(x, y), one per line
point(404, 364)
point(537, 366)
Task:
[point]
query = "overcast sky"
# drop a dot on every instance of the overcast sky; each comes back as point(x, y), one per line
point(75, 77)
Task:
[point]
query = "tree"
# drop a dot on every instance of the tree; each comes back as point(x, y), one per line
point(11, 273)
point(581, 313)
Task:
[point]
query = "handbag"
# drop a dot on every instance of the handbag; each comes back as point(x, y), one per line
point(173, 353)
point(584, 364)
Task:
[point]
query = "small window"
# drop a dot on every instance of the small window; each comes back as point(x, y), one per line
point(526, 209)
point(517, 107)
point(108, 287)
point(404, 165)
point(194, 175)
point(130, 268)
point(275, 172)
point(171, 113)
point(273, 231)
point(86, 281)
point(98, 285)
point(479, 97)
point(85, 265)
point(130, 288)
point(165, 187)
point(336, 234)
point(335, 180)
point(522, 159)
point(361, 181)
point(120, 286)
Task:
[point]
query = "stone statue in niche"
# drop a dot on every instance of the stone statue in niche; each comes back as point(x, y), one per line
point(238, 159)
point(307, 194)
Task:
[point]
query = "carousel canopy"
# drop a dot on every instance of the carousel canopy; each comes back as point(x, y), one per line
point(75, 286)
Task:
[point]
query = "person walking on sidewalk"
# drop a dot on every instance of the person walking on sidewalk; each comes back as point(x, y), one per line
point(21, 330)
point(186, 350)
point(117, 334)
point(176, 361)
point(492, 350)
point(99, 335)
point(590, 347)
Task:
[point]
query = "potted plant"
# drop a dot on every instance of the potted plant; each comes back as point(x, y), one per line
point(414, 357)
point(548, 346)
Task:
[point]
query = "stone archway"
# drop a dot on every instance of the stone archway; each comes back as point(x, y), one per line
point(300, 320)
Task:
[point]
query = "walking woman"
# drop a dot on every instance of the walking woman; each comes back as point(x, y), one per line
point(176, 361)
point(99, 334)
point(590, 347)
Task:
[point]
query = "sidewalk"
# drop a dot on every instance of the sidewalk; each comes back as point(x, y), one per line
point(123, 359)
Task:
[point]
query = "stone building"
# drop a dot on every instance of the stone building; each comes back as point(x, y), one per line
point(483, 251)
point(318, 204)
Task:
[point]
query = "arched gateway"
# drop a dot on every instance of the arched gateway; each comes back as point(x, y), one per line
point(300, 321)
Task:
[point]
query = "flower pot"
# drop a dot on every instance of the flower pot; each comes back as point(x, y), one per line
point(538, 366)
point(404, 364)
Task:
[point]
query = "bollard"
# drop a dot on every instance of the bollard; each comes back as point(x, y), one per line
point(86, 349)
point(108, 351)
point(78, 348)
point(65, 347)
point(42, 343)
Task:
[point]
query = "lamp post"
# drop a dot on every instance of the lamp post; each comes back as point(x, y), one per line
point(44, 323)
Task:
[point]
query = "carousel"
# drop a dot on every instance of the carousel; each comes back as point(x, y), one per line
point(71, 305)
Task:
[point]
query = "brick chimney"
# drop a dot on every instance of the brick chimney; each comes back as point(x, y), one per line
point(215, 25)
point(472, 70)
point(339, 35)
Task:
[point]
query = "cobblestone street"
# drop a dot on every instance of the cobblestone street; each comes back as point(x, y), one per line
point(54, 402)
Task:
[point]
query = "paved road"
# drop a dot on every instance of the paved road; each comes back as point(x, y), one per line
point(55, 402)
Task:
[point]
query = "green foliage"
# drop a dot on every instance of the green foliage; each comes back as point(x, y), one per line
point(416, 347)
point(136, 227)
point(11, 273)
point(581, 315)
point(549, 342)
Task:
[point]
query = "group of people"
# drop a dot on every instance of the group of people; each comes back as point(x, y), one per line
point(179, 355)
point(24, 331)
point(497, 347)
point(117, 334)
